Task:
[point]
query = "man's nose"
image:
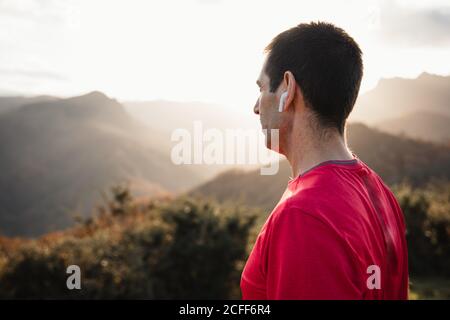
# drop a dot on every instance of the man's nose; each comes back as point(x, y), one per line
point(256, 107)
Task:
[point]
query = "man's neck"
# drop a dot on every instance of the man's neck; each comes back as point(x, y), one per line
point(305, 153)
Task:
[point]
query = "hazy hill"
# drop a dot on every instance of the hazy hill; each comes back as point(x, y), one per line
point(172, 115)
point(397, 97)
point(60, 155)
point(9, 103)
point(421, 125)
point(164, 117)
point(394, 158)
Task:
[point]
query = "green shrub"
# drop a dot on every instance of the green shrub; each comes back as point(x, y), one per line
point(177, 249)
point(427, 216)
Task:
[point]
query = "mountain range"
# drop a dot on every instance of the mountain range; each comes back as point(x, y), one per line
point(418, 108)
point(60, 155)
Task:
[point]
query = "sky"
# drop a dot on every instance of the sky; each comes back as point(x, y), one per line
point(199, 50)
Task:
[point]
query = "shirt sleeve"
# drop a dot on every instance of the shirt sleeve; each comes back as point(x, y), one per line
point(307, 259)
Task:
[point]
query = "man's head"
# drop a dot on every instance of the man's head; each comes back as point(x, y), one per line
point(320, 67)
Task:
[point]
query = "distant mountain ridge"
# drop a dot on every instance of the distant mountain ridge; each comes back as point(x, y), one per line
point(12, 102)
point(421, 125)
point(396, 97)
point(58, 156)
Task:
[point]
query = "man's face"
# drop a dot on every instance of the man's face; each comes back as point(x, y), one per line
point(267, 108)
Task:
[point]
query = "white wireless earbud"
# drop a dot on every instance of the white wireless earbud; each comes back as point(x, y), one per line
point(282, 101)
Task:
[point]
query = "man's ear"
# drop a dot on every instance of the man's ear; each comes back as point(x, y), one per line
point(291, 88)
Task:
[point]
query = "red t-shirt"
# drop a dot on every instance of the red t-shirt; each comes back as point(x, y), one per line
point(337, 233)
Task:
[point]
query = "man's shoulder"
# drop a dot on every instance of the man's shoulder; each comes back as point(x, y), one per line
point(302, 205)
point(328, 206)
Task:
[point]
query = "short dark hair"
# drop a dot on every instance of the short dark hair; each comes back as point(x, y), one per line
point(327, 65)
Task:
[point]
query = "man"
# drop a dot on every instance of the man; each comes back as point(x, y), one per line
point(338, 231)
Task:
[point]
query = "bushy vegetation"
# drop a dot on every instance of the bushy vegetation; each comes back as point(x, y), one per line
point(193, 248)
point(163, 249)
point(427, 216)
